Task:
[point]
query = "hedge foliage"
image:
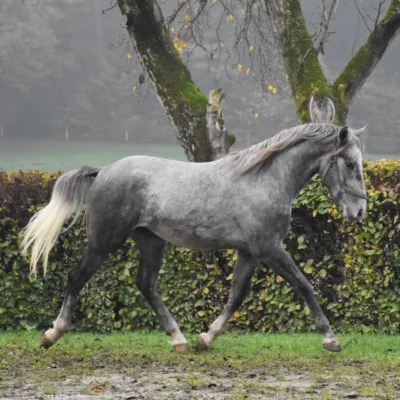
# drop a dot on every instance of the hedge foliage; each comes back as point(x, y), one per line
point(355, 269)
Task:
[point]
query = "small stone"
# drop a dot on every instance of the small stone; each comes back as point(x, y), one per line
point(352, 395)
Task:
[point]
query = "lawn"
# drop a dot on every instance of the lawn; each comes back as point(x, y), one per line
point(61, 155)
point(240, 366)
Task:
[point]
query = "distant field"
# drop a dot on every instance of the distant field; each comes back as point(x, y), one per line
point(58, 155)
point(64, 156)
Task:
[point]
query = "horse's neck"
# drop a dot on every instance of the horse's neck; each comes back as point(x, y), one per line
point(298, 164)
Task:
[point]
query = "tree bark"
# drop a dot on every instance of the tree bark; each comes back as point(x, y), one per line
point(220, 140)
point(184, 103)
point(301, 62)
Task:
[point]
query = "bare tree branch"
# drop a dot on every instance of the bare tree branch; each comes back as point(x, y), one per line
point(356, 3)
point(326, 20)
point(367, 57)
point(110, 8)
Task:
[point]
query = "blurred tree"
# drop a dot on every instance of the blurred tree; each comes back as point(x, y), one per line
point(263, 30)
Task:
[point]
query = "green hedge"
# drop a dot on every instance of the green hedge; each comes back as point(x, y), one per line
point(355, 269)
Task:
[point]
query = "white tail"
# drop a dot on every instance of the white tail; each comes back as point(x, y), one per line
point(67, 200)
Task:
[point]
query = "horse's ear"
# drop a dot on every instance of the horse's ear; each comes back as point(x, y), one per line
point(359, 132)
point(322, 110)
point(344, 135)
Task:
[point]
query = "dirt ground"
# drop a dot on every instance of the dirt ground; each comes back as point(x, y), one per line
point(153, 381)
point(142, 365)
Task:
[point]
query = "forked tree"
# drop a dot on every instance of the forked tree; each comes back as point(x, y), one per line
point(275, 25)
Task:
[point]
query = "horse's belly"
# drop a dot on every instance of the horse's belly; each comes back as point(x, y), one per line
point(200, 238)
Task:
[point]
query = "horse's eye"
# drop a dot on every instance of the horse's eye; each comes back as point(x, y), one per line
point(350, 166)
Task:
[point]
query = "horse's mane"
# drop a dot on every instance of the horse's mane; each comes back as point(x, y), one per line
point(252, 158)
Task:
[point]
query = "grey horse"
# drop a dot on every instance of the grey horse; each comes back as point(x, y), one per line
point(242, 201)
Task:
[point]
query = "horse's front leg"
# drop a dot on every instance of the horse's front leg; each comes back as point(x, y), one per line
point(242, 274)
point(280, 261)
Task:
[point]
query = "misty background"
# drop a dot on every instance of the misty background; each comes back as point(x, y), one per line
point(66, 82)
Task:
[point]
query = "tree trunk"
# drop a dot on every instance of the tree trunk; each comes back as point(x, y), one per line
point(184, 103)
point(301, 61)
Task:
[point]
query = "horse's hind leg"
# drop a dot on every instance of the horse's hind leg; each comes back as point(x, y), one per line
point(151, 249)
point(242, 274)
point(77, 277)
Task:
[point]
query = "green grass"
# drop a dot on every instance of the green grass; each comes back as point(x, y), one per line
point(368, 365)
point(242, 349)
point(61, 155)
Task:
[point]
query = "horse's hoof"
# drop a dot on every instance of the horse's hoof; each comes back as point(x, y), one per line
point(180, 348)
point(332, 345)
point(49, 338)
point(45, 345)
point(202, 342)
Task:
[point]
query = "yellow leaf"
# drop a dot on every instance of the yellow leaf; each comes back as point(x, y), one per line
point(230, 251)
point(214, 1)
point(172, 30)
point(129, 56)
point(248, 70)
point(251, 48)
point(97, 389)
point(314, 213)
point(133, 88)
point(279, 279)
point(187, 17)
point(178, 46)
point(273, 89)
point(201, 313)
point(256, 115)
point(230, 277)
point(206, 290)
point(240, 68)
point(230, 17)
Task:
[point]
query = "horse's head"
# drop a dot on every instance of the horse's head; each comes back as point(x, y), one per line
point(341, 170)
